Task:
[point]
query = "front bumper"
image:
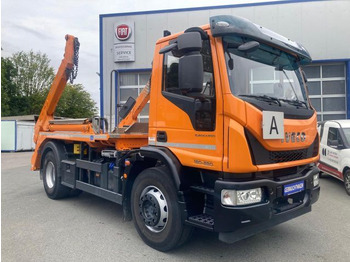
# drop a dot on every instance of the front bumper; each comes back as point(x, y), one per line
point(239, 222)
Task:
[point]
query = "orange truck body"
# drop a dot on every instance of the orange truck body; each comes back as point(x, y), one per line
point(200, 163)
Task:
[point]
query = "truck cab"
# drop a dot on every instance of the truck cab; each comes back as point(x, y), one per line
point(335, 150)
point(208, 102)
point(229, 101)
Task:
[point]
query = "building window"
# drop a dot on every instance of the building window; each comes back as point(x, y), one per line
point(327, 90)
point(131, 84)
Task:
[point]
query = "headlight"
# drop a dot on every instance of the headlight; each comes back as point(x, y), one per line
point(240, 197)
point(316, 180)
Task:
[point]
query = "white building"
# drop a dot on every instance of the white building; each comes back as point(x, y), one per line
point(17, 133)
point(321, 26)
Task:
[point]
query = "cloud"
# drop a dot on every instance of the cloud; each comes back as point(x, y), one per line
point(28, 30)
point(40, 25)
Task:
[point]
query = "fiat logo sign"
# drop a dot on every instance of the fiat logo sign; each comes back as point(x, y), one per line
point(123, 32)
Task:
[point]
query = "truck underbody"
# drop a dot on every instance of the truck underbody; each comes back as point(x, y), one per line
point(110, 174)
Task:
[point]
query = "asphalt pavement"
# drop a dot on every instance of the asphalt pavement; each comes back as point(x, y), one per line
point(87, 228)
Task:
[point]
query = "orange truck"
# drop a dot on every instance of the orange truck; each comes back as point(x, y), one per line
point(230, 145)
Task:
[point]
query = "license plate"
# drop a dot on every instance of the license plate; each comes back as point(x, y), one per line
point(293, 188)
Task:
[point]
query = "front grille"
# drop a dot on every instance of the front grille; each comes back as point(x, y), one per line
point(286, 156)
point(262, 156)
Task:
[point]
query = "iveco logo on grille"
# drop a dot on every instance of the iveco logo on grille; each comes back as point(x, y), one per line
point(292, 137)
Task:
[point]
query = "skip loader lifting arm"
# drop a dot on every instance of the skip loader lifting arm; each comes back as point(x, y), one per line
point(140, 103)
point(65, 72)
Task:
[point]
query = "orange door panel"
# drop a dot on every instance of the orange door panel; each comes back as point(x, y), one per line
point(194, 136)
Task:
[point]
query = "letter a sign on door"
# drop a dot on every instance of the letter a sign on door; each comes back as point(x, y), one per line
point(273, 127)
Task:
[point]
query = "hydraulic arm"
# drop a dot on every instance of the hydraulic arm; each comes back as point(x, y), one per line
point(65, 72)
point(140, 103)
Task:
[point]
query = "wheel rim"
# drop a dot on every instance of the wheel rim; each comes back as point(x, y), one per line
point(153, 209)
point(347, 181)
point(50, 174)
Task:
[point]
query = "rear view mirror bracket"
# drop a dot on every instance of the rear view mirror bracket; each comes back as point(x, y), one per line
point(168, 48)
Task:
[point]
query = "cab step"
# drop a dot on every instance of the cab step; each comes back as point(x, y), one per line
point(202, 221)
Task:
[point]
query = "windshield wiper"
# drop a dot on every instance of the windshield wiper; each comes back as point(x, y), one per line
point(264, 98)
point(295, 102)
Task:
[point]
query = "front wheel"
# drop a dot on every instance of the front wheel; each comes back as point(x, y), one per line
point(156, 212)
point(347, 181)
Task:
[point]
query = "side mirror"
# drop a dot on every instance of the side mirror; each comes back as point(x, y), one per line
point(185, 43)
point(189, 42)
point(248, 47)
point(191, 73)
point(191, 63)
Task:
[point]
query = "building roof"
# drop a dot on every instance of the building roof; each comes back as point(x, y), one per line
point(26, 118)
point(20, 118)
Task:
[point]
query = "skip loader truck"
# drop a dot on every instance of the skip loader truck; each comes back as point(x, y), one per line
point(230, 145)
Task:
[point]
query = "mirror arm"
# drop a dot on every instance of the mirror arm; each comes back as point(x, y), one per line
point(168, 48)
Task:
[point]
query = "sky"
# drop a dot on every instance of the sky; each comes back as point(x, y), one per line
point(40, 25)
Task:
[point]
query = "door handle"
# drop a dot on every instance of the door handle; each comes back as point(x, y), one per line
point(161, 136)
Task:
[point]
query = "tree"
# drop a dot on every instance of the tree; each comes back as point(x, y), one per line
point(6, 67)
point(28, 76)
point(75, 102)
point(34, 73)
point(9, 91)
point(26, 80)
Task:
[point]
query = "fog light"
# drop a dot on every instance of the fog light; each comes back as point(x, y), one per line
point(240, 197)
point(316, 180)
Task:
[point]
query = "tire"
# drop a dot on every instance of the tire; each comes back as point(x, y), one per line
point(347, 181)
point(156, 212)
point(51, 180)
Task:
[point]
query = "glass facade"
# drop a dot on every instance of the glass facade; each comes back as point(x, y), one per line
point(131, 84)
point(327, 90)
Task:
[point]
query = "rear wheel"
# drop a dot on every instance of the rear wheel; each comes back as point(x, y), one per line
point(347, 181)
point(156, 212)
point(51, 180)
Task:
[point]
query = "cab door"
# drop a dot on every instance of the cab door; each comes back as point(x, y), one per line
point(189, 118)
point(331, 152)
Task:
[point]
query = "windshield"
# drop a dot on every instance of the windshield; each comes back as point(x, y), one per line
point(347, 134)
point(250, 78)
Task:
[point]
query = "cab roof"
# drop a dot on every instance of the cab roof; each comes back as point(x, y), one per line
point(223, 25)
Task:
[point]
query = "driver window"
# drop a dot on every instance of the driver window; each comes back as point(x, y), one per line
point(171, 73)
point(199, 104)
